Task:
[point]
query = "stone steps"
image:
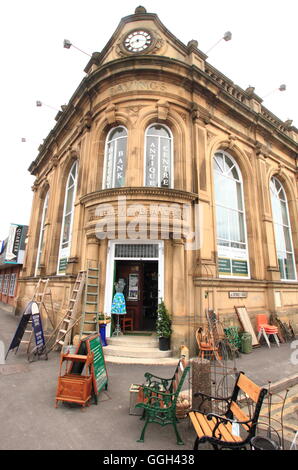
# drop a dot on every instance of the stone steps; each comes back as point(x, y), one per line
point(130, 349)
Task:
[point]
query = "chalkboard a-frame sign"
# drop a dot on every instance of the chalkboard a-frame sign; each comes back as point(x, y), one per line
point(88, 345)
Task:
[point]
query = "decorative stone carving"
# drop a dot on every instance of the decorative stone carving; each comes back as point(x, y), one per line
point(140, 10)
point(54, 161)
point(87, 121)
point(232, 139)
point(162, 110)
point(193, 44)
point(111, 113)
point(133, 113)
point(261, 150)
point(194, 112)
point(92, 238)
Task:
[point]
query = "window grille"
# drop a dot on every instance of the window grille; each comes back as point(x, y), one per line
point(136, 251)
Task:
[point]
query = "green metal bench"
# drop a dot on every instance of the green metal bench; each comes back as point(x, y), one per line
point(158, 398)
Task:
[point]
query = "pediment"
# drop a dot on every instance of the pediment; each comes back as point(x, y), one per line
point(142, 34)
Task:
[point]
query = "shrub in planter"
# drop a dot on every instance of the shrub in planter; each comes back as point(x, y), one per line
point(163, 327)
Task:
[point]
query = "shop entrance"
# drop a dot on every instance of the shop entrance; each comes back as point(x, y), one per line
point(141, 291)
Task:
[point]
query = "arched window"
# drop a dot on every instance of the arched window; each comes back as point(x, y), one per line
point(230, 217)
point(67, 220)
point(282, 230)
point(42, 231)
point(115, 158)
point(159, 156)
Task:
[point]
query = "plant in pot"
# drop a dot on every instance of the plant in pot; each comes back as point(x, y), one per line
point(163, 327)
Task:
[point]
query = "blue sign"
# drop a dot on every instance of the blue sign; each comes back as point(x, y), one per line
point(37, 329)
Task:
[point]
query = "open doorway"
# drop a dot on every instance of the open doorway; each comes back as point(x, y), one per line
point(141, 291)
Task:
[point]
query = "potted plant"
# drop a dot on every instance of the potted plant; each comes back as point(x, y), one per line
point(163, 327)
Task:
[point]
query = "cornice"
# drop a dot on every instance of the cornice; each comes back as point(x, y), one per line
point(135, 192)
point(189, 76)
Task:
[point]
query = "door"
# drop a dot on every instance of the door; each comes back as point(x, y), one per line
point(132, 273)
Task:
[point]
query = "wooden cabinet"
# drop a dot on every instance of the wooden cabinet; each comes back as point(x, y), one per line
point(75, 388)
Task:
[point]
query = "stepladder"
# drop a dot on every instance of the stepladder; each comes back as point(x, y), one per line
point(62, 334)
point(90, 313)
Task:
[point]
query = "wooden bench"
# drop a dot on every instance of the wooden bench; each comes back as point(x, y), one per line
point(218, 429)
point(158, 398)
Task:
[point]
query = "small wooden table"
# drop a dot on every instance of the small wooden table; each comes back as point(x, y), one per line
point(75, 388)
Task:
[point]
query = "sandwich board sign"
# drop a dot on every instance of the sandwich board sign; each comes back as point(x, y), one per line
point(31, 312)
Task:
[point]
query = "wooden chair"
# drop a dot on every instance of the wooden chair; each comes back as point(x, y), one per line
point(266, 330)
point(207, 349)
point(219, 429)
point(126, 321)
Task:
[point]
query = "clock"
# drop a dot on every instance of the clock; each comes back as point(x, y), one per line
point(138, 40)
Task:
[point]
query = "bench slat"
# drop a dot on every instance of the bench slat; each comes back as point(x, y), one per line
point(226, 431)
point(204, 427)
point(240, 415)
point(196, 425)
point(249, 387)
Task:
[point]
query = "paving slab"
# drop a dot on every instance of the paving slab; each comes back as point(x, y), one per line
point(32, 422)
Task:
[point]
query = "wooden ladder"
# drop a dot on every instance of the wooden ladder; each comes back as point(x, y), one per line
point(39, 294)
point(62, 333)
point(90, 313)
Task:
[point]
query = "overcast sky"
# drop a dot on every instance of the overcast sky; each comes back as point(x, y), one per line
point(35, 66)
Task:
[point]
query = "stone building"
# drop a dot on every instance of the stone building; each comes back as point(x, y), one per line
point(172, 177)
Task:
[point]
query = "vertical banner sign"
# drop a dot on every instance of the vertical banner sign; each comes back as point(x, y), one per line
point(13, 243)
point(37, 329)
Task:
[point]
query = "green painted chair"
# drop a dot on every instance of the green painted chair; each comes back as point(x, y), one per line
point(158, 398)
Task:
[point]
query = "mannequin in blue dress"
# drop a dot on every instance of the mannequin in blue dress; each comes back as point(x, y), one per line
point(118, 304)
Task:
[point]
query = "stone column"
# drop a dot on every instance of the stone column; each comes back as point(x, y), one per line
point(179, 321)
point(178, 278)
point(93, 244)
point(201, 382)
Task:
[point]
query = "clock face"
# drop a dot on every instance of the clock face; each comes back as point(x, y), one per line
point(138, 41)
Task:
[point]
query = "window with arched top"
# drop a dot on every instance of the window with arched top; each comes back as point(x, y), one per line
point(115, 158)
point(158, 156)
point(282, 231)
point(232, 247)
point(42, 232)
point(67, 219)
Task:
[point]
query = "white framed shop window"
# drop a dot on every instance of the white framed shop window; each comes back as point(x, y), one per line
point(282, 231)
point(67, 219)
point(42, 231)
point(233, 257)
point(12, 285)
point(115, 158)
point(158, 156)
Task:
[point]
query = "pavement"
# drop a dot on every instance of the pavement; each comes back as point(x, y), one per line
point(31, 422)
